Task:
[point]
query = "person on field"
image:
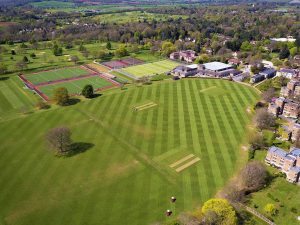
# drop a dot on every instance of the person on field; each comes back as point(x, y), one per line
point(168, 212)
point(173, 199)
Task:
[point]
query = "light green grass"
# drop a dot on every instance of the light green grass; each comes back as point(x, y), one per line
point(125, 177)
point(76, 86)
point(58, 74)
point(52, 4)
point(135, 16)
point(45, 59)
point(13, 97)
point(150, 69)
point(288, 197)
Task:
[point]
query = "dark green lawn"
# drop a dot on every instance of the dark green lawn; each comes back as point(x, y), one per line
point(124, 178)
point(58, 74)
point(76, 86)
point(14, 98)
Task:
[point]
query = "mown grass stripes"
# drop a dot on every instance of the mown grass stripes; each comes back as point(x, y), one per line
point(110, 182)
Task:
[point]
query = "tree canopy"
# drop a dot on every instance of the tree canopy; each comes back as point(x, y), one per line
point(88, 91)
point(224, 212)
point(61, 96)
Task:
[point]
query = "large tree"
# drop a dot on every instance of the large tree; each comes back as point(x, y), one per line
point(223, 212)
point(253, 176)
point(268, 94)
point(284, 52)
point(61, 96)
point(88, 91)
point(59, 139)
point(263, 119)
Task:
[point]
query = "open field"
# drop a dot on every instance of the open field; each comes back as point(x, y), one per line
point(135, 16)
point(59, 74)
point(55, 6)
point(52, 4)
point(45, 59)
point(287, 196)
point(14, 98)
point(150, 69)
point(76, 86)
point(123, 176)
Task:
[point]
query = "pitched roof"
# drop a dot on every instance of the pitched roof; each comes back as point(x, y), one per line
point(268, 71)
point(277, 151)
point(295, 169)
point(295, 151)
point(284, 70)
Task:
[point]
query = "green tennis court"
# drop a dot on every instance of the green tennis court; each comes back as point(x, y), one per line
point(75, 86)
point(150, 69)
point(58, 74)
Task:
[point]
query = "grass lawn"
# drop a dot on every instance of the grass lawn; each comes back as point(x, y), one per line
point(58, 74)
point(286, 197)
point(150, 69)
point(45, 59)
point(52, 4)
point(135, 16)
point(125, 176)
point(14, 98)
point(76, 86)
point(121, 76)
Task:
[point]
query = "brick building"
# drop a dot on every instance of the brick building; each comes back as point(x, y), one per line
point(286, 162)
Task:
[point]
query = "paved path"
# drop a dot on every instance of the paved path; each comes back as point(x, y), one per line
point(257, 214)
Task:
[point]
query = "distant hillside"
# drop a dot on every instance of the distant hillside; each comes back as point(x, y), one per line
point(92, 2)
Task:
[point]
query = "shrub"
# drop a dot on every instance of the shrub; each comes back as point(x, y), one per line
point(42, 105)
point(294, 210)
point(251, 154)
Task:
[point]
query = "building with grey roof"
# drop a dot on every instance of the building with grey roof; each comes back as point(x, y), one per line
point(287, 162)
point(217, 66)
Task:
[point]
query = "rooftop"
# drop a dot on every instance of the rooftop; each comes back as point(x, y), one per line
point(193, 66)
point(257, 75)
point(295, 169)
point(277, 151)
point(283, 70)
point(295, 151)
point(283, 39)
point(216, 66)
point(268, 71)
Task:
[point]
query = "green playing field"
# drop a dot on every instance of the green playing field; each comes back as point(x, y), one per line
point(150, 69)
point(75, 86)
point(58, 74)
point(129, 169)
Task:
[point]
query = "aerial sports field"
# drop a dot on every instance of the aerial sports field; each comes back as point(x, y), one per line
point(142, 146)
point(150, 69)
point(73, 78)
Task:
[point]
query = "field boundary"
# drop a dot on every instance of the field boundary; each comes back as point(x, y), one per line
point(92, 73)
point(126, 74)
point(63, 80)
point(33, 87)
